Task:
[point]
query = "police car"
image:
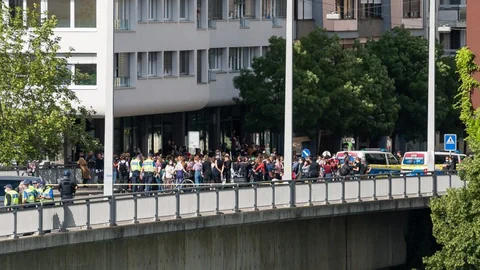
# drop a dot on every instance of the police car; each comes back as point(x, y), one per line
point(14, 181)
point(380, 161)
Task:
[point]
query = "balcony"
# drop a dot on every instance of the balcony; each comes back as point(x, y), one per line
point(121, 24)
point(121, 82)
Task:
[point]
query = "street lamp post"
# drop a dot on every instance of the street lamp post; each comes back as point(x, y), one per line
point(431, 89)
point(288, 93)
point(108, 51)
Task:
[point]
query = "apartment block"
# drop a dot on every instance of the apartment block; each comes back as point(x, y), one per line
point(452, 15)
point(173, 63)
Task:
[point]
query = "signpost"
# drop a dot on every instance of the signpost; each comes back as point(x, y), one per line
point(305, 153)
point(450, 142)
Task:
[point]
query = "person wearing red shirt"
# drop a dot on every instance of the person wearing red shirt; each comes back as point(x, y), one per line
point(259, 170)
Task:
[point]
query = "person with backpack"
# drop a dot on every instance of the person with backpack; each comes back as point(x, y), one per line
point(123, 172)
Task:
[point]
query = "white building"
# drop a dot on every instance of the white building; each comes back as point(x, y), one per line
point(173, 65)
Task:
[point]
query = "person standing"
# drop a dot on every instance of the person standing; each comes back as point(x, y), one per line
point(218, 170)
point(46, 195)
point(197, 167)
point(99, 167)
point(84, 169)
point(227, 168)
point(207, 169)
point(67, 187)
point(29, 194)
point(258, 170)
point(91, 161)
point(148, 170)
point(11, 196)
point(136, 168)
point(123, 172)
point(180, 170)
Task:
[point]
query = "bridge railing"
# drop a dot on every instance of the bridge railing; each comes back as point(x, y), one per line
point(85, 213)
point(49, 173)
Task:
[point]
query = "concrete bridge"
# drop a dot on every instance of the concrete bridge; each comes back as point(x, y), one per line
point(348, 224)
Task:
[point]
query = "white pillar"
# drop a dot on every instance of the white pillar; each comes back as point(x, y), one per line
point(288, 92)
point(431, 89)
point(108, 53)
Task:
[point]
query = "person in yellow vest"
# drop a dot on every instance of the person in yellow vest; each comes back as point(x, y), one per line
point(38, 189)
point(136, 167)
point(29, 193)
point(148, 170)
point(46, 195)
point(11, 196)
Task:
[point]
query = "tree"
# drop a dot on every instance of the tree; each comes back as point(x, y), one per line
point(38, 112)
point(456, 216)
point(406, 59)
point(334, 89)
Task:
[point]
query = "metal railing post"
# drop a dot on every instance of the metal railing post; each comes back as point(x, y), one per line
point(390, 187)
point(310, 193)
point(375, 188)
point(177, 204)
point(113, 214)
point(89, 227)
point(405, 186)
point(15, 223)
point(255, 202)
point(449, 180)
point(135, 209)
point(273, 197)
point(326, 192)
point(156, 207)
point(359, 197)
point(40, 220)
point(292, 193)
point(419, 185)
point(434, 185)
point(464, 184)
point(217, 206)
point(236, 209)
point(343, 190)
point(197, 214)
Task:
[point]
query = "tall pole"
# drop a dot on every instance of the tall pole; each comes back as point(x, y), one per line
point(109, 63)
point(288, 92)
point(431, 89)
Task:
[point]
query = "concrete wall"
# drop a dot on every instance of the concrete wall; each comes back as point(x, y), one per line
point(368, 241)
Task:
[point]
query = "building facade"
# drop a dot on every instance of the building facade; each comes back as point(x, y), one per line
point(473, 41)
point(453, 14)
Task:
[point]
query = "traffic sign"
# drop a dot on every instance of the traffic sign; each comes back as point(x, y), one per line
point(305, 153)
point(450, 142)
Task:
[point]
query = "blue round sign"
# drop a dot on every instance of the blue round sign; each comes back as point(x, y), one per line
point(305, 153)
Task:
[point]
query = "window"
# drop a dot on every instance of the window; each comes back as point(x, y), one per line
point(152, 64)
point(122, 14)
point(122, 69)
point(184, 63)
point(35, 5)
point(280, 8)
point(376, 159)
point(265, 50)
point(167, 10)
point(168, 63)
point(140, 61)
point(267, 9)
point(85, 74)
point(392, 160)
point(215, 9)
point(346, 9)
point(152, 10)
point(215, 59)
point(241, 9)
point(241, 58)
point(370, 9)
point(61, 9)
point(140, 10)
point(184, 10)
point(411, 8)
point(85, 13)
point(304, 9)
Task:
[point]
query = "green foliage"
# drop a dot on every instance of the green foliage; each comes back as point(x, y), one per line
point(456, 217)
point(406, 59)
point(37, 109)
point(334, 89)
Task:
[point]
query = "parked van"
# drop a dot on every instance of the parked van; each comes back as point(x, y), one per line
point(14, 181)
point(416, 162)
point(380, 162)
